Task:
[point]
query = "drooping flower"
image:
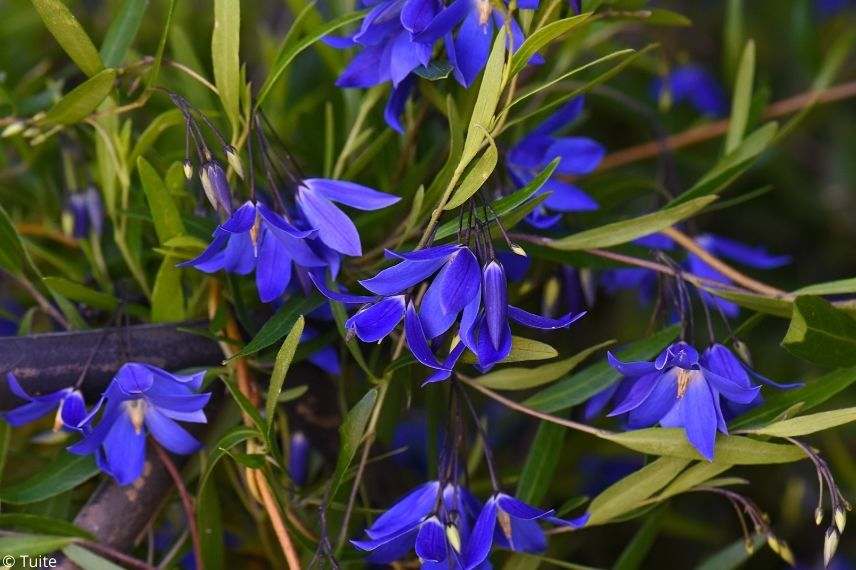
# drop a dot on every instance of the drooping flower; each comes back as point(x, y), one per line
point(578, 156)
point(694, 85)
point(255, 238)
point(68, 403)
point(678, 389)
point(435, 519)
point(512, 524)
point(84, 213)
point(141, 400)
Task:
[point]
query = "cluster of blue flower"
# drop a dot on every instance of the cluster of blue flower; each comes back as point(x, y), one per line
point(141, 399)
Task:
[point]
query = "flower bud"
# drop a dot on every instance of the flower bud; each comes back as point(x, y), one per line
point(840, 519)
point(830, 545)
point(13, 129)
point(216, 186)
point(818, 516)
point(234, 160)
point(188, 169)
point(517, 249)
point(454, 537)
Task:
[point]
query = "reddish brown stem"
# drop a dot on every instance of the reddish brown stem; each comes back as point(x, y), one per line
point(186, 502)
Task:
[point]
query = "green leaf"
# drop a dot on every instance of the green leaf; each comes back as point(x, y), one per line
point(742, 99)
point(230, 439)
point(210, 522)
point(736, 450)
point(88, 560)
point(637, 549)
point(280, 324)
point(153, 131)
point(579, 387)
point(66, 472)
point(475, 178)
point(280, 369)
point(808, 397)
point(288, 52)
point(732, 556)
point(32, 544)
point(541, 462)
point(456, 144)
point(165, 214)
point(69, 34)
point(154, 74)
point(695, 475)
point(541, 38)
point(804, 425)
point(840, 287)
point(41, 524)
point(487, 99)
point(663, 17)
point(627, 494)
point(351, 434)
point(762, 304)
point(525, 378)
point(506, 204)
point(820, 333)
point(12, 257)
point(434, 71)
point(522, 350)
point(81, 101)
point(627, 230)
point(225, 53)
point(168, 293)
point(81, 293)
point(122, 31)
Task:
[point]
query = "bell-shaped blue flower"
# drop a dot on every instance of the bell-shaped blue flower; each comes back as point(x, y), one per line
point(694, 85)
point(68, 403)
point(511, 524)
point(255, 238)
point(141, 400)
point(578, 156)
point(678, 389)
point(86, 213)
point(298, 458)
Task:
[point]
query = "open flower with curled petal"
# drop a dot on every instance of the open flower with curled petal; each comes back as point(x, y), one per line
point(255, 238)
point(680, 390)
point(512, 524)
point(141, 400)
point(434, 519)
point(68, 403)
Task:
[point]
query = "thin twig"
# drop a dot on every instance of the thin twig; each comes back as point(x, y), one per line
point(186, 502)
point(128, 561)
point(291, 557)
point(43, 303)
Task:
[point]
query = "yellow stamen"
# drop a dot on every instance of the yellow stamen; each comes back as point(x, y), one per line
point(484, 10)
point(684, 377)
point(255, 231)
point(136, 410)
point(505, 525)
point(58, 418)
point(454, 537)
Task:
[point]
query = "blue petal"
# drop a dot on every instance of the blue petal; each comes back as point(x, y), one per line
point(564, 116)
point(579, 155)
point(435, 319)
point(680, 354)
point(516, 266)
point(365, 69)
point(595, 405)
point(27, 413)
point(351, 194)
point(469, 323)
point(335, 229)
point(125, 451)
point(93, 440)
point(577, 522)
point(487, 354)
point(134, 378)
point(395, 547)
point(376, 321)
point(534, 321)
point(756, 257)
point(181, 403)
point(699, 416)
point(630, 368)
point(417, 342)
point(426, 254)
point(431, 541)
point(342, 297)
point(211, 258)
point(401, 276)
point(656, 241)
point(241, 219)
point(277, 222)
point(530, 153)
point(730, 389)
point(518, 509)
point(407, 511)
point(239, 255)
point(566, 197)
point(15, 387)
point(405, 56)
point(722, 361)
point(639, 391)
point(495, 292)
point(527, 536)
point(448, 365)
point(444, 21)
point(472, 46)
point(417, 14)
point(481, 539)
point(273, 271)
point(459, 281)
point(661, 399)
point(73, 409)
point(169, 434)
point(394, 108)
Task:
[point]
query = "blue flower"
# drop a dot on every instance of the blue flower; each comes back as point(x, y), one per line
point(694, 85)
point(86, 213)
point(68, 403)
point(579, 156)
point(141, 400)
point(298, 458)
point(255, 238)
point(679, 389)
point(512, 524)
point(434, 519)
point(469, 48)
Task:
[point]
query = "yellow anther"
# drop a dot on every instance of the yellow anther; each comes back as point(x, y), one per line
point(684, 377)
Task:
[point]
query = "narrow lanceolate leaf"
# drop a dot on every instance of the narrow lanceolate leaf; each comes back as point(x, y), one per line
point(617, 233)
point(541, 38)
point(732, 449)
point(581, 386)
point(742, 100)
point(168, 293)
point(88, 560)
point(280, 324)
point(840, 287)
point(165, 214)
point(69, 34)
point(768, 305)
point(122, 31)
point(695, 475)
point(81, 293)
point(351, 433)
point(32, 544)
point(525, 378)
point(804, 425)
point(12, 257)
point(637, 549)
point(280, 369)
point(820, 333)
point(66, 472)
point(541, 463)
point(487, 100)
point(41, 524)
point(225, 46)
point(81, 101)
point(814, 394)
point(627, 494)
point(476, 177)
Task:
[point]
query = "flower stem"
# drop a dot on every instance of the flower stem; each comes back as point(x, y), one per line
point(186, 502)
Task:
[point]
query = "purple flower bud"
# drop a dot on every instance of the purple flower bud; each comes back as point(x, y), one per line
point(216, 186)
